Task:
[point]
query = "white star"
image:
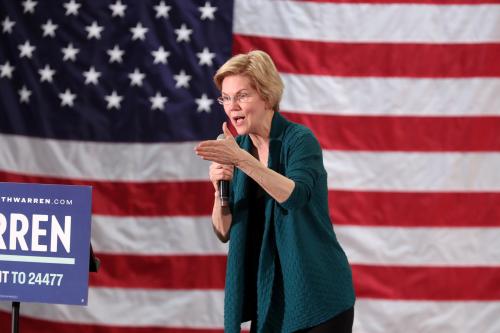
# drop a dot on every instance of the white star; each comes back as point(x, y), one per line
point(158, 101)
point(182, 80)
point(91, 76)
point(115, 54)
point(183, 33)
point(46, 73)
point(26, 50)
point(67, 98)
point(6, 70)
point(207, 11)
point(7, 25)
point(118, 9)
point(139, 32)
point(113, 100)
point(204, 103)
point(72, 7)
point(136, 78)
point(24, 95)
point(205, 57)
point(162, 10)
point(94, 31)
point(70, 52)
point(29, 6)
point(49, 29)
point(160, 55)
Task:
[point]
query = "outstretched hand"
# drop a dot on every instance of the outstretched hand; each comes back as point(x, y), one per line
point(225, 151)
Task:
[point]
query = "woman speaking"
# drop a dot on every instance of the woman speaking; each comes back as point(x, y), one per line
point(286, 271)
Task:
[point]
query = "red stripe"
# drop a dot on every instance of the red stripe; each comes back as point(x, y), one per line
point(33, 325)
point(346, 207)
point(391, 282)
point(160, 272)
point(410, 209)
point(138, 199)
point(416, 2)
point(376, 59)
point(401, 133)
point(427, 283)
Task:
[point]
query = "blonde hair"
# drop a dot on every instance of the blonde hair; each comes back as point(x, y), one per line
point(260, 69)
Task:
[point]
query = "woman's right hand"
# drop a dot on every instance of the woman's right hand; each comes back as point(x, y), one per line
point(220, 172)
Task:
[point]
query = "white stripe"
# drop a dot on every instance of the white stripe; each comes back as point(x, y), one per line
point(363, 245)
point(430, 172)
point(347, 170)
point(420, 246)
point(137, 307)
point(101, 161)
point(155, 236)
point(390, 96)
point(379, 316)
point(37, 259)
point(203, 309)
point(367, 23)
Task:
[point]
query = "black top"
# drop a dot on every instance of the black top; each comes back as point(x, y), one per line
point(255, 231)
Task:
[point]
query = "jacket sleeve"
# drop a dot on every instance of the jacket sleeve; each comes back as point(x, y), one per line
point(303, 165)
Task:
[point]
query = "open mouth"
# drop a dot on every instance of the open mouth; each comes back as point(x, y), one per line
point(238, 120)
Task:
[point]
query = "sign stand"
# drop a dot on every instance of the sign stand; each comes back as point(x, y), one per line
point(94, 264)
point(15, 317)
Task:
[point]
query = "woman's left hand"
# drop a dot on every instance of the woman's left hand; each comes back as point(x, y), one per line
point(225, 151)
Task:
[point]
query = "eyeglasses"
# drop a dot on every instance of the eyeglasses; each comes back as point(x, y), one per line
point(240, 98)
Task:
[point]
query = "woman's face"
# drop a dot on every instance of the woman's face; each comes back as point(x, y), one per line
point(246, 109)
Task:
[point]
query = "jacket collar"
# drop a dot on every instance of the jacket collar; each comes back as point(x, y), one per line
point(278, 125)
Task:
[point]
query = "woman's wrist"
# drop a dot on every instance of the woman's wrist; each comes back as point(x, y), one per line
point(249, 164)
point(242, 158)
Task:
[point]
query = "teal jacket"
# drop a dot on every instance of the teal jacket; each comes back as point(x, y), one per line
point(303, 275)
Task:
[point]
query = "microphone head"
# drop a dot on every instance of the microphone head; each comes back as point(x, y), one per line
point(221, 136)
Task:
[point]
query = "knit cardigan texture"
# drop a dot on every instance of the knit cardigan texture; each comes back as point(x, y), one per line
point(303, 276)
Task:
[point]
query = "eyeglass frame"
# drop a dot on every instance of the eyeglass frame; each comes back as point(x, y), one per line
point(241, 97)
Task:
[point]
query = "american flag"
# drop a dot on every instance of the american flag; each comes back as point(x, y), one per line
point(404, 97)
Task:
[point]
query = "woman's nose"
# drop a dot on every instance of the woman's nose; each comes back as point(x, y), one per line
point(234, 104)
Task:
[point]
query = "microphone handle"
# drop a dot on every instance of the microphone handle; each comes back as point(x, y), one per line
point(224, 193)
point(223, 185)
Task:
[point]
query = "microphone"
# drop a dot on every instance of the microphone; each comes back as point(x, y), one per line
point(223, 185)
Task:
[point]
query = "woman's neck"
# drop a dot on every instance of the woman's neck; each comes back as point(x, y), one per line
point(260, 139)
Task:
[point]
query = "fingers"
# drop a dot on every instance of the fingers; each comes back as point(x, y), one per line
point(215, 165)
point(225, 175)
point(210, 145)
point(220, 169)
point(214, 151)
point(220, 172)
point(207, 149)
point(217, 168)
point(227, 168)
point(214, 157)
point(207, 143)
point(220, 151)
point(226, 131)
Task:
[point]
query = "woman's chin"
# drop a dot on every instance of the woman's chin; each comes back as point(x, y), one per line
point(241, 130)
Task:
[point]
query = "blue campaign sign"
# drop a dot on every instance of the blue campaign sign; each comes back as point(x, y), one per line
point(44, 243)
